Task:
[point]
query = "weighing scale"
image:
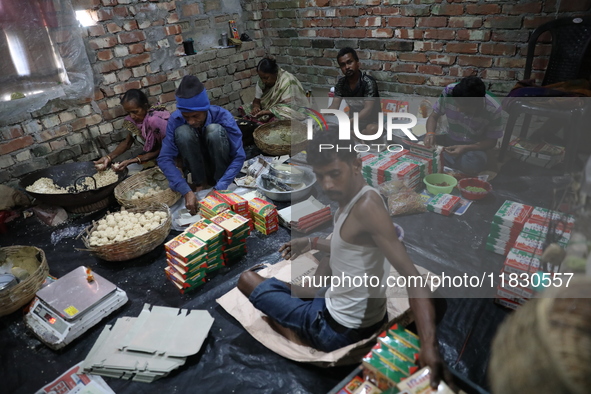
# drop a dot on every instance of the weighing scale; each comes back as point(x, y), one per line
point(66, 308)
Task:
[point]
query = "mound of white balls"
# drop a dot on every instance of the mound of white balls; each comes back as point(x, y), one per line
point(121, 226)
point(152, 191)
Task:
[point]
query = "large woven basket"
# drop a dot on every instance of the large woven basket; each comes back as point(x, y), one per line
point(133, 247)
point(265, 138)
point(19, 295)
point(148, 178)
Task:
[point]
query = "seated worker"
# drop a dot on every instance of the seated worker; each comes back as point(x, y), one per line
point(364, 242)
point(475, 124)
point(207, 140)
point(355, 84)
point(278, 95)
point(145, 124)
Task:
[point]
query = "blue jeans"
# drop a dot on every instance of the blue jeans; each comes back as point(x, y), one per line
point(205, 153)
point(470, 163)
point(305, 317)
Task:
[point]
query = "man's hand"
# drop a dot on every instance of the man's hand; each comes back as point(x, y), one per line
point(430, 357)
point(191, 203)
point(429, 140)
point(456, 150)
point(294, 248)
point(210, 193)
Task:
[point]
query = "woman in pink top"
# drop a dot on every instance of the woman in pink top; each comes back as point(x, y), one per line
point(146, 124)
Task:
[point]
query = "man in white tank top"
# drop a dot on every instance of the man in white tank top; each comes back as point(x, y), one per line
point(363, 242)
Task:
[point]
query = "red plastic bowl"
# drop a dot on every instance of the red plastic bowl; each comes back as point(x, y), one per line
point(464, 183)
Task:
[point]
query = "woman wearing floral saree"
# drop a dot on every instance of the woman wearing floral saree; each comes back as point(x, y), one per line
point(279, 95)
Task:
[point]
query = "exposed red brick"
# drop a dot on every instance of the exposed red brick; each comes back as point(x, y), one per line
point(448, 9)
point(445, 60)
point(540, 63)
point(102, 42)
point(114, 112)
point(430, 69)
point(130, 25)
point(428, 46)
point(53, 133)
point(523, 8)
point(78, 124)
point(412, 79)
point(120, 11)
point(370, 21)
point(11, 132)
point(16, 144)
point(412, 57)
point(401, 21)
point(109, 66)
point(113, 28)
point(410, 34)
point(167, 97)
point(503, 22)
point(432, 21)
point(135, 49)
point(473, 35)
point(462, 71)
point(343, 22)
point(353, 33)
point(508, 62)
point(497, 49)
point(341, 3)
point(483, 9)
point(190, 9)
point(104, 14)
point(104, 55)
point(132, 36)
point(380, 33)
point(476, 61)
point(383, 11)
point(401, 67)
point(383, 56)
point(97, 30)
point(439, 34)
point(319, 3)
point(461, 47)
point(333, 33)
point(505, 75)
point(178, 39)
point(134, 61)
point(466, 22)
point(172, 30)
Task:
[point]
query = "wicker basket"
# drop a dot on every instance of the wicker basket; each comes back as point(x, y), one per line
point(148, 178)
point(133, 247)
point(298, 133)
point(19, 295)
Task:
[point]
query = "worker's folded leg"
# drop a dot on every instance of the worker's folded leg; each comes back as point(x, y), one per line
point(190, 148)
point(218, 151)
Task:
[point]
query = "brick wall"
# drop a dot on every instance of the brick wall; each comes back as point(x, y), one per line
point(135, 44)
point(410, 47)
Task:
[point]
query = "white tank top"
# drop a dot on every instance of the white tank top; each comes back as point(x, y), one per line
point(350, 304)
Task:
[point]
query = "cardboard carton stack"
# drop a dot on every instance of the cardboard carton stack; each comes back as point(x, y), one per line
point(305, 216)
point(506, 226)
point(193, 254)
point(434, 154)
point(390, 166)
point(443, 204)
point(236, 229)
point(524, 257)
point(264, 215)
point(236, 203)
point(393, 358)
point(211, 206)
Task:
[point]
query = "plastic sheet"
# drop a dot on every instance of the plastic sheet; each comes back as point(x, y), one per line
point(49, 59)
point(231, 360)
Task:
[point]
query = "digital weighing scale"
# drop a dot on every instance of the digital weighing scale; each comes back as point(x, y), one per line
point(66, 308)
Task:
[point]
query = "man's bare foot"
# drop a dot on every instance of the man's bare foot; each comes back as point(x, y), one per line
point(285, 332)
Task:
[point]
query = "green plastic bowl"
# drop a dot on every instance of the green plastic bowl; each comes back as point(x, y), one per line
point(432, 180)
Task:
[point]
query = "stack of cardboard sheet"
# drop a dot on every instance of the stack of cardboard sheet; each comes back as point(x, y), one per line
point(264, 215)
point(387, 166)
point(524, 257)
point(195, 253)
point(540, 154)
point(150, 346)
point(434, 154)
point(305, 216)
point(236, 229)
point(506, 226)
point(211, 206)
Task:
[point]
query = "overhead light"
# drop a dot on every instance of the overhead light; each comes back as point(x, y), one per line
point(85, 18)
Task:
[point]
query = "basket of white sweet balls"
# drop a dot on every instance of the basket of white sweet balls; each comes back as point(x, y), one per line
point(129, 233)
point(145, 188)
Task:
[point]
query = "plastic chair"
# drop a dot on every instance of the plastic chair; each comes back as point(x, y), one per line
point(570, 59)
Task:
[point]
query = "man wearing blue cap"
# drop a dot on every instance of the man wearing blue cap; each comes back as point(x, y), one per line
point(207, 139)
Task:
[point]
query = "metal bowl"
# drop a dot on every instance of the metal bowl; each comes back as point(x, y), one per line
point(309, 179)
point(287, 173)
